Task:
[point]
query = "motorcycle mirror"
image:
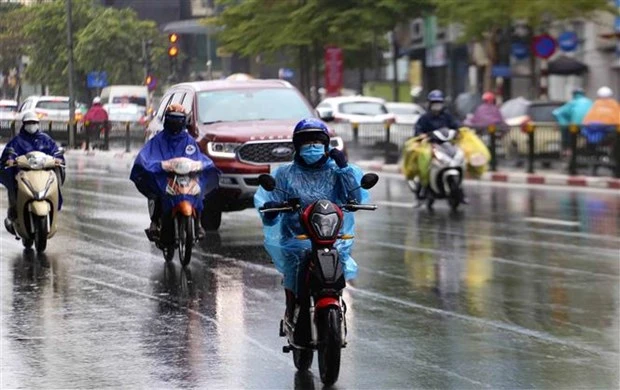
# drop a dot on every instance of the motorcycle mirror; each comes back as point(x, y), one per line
point(369, 180)
point(267, 182)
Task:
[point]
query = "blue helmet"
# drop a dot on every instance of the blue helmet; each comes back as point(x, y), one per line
point(435, 96)
point(310, 129)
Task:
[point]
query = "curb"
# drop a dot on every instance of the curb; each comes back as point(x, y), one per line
point(516, 177)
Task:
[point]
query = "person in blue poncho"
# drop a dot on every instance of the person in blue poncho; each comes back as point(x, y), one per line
point(150, 177)
point(316, 173)
point(29, 139)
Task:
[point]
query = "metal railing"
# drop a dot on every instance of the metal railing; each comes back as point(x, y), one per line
point(101, 135)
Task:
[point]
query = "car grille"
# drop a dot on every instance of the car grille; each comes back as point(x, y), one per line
point(266, 152)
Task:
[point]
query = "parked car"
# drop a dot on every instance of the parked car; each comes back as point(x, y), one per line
point(8, 113)
point(406, 113)
point(52, 109)
point(357, 109)
point(245, 127)
point(126, 103)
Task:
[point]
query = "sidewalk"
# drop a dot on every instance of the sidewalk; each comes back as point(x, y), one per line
point(513, 176)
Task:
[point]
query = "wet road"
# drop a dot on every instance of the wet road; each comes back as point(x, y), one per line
point(520, 290)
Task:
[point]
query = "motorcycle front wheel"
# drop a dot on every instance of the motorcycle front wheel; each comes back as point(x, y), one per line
point(40, 233)
point(330, 344)
point(186, 238)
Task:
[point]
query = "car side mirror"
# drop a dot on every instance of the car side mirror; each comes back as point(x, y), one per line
point(326, 114)
point(267, 182)
point(369, 180)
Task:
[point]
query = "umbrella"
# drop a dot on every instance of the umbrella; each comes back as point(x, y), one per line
point(567, 66)
point(515, 107)
point(466, 103)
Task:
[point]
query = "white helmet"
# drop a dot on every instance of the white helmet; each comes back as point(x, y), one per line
point(97, 100)
point(30, 117)
point(604, 93)
point(30, 122)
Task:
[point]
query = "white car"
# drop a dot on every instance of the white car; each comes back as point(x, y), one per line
point(51, 108)
point(356, 109)
point(406, 113)
point(8, 113)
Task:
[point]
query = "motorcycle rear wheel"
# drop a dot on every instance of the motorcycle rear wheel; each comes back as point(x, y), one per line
point(27, 242)
point(455, 194)
point(186, 238)
point(330, 344)
point(40, 233)
point(302, 358)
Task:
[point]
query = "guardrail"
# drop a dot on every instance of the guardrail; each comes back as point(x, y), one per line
point(101, 135)
point(543, 144)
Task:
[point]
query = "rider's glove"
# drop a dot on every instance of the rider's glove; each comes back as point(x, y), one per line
point(339, 158)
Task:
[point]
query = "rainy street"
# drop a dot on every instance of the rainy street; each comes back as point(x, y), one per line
point(520, 289)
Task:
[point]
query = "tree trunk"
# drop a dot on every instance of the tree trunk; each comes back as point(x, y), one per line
point(490, 47)
point(395, 67)
point(317, 74)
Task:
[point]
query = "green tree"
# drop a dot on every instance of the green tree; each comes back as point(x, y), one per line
point(113, 42)
point(303, 27)
point(484, 21)
point(12, 45)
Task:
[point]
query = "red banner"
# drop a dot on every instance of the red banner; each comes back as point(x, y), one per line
point(334, 70)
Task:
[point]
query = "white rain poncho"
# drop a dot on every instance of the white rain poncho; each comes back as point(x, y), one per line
point(309, 184)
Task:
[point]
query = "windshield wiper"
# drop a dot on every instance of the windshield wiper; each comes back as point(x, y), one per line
point(211, 122)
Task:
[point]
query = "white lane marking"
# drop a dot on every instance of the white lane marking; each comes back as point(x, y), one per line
point(494, 259)
point(485, 322)
point(545, 337)
point(550, 221)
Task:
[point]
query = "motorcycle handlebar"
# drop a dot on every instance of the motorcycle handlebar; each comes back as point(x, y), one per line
point(276, 209)
point(369, 207)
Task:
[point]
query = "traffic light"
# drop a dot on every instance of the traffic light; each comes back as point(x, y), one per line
point(173, 48)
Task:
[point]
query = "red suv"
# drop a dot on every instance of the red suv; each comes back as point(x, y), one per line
point(245, 127)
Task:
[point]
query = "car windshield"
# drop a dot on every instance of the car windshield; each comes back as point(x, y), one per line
point(138, 100)
point(362, 108)
point(8, 108)
point(53, 105)
point(542, 113)
point(250, 105)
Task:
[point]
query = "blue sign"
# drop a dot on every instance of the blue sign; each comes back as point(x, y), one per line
point(501, 71)
point(544, 46)
point(286, 73)
point(568, 41)
point(96, 79)
point(520, 50)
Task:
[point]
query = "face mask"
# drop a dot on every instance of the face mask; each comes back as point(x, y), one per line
point(312, 153)
point(436, 107)
point(31, 127)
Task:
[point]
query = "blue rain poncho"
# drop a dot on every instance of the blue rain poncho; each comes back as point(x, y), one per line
point(24, 143)
point(308, 184)
point(151, 179)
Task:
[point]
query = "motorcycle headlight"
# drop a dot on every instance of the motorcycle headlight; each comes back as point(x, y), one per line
point(325, 225)
point(442, 157)
point(222, 149)
point(183, 180)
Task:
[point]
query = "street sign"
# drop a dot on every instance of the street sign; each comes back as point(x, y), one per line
point(334, 70)
point(568, 41)
point(543, 46)
point(96, 79)
point(286, 73)
point(503, 71)
point(519, 50)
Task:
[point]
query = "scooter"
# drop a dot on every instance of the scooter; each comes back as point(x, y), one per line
point(38, 194)
point(179, 226)
point(319, 321)
point(446, 170)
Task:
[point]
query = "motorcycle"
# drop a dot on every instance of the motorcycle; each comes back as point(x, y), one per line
point(319, 321)
point(38, 194)
point(446, 169)
point(179, 227)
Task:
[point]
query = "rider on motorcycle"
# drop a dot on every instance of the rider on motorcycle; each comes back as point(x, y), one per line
point(29, 139)
point(435, 118)
point(149, 175)
point(316, 173)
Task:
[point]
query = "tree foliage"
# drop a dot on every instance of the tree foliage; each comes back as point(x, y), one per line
point(105, 39)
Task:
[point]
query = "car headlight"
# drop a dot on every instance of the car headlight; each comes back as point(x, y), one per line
point(325, 225)
point(337, 143)
point(222, 149)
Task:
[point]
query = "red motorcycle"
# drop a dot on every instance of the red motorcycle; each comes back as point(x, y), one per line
point(319, 320)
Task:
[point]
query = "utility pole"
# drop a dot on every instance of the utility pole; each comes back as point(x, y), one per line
point(395, 91)
point(71, 92)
